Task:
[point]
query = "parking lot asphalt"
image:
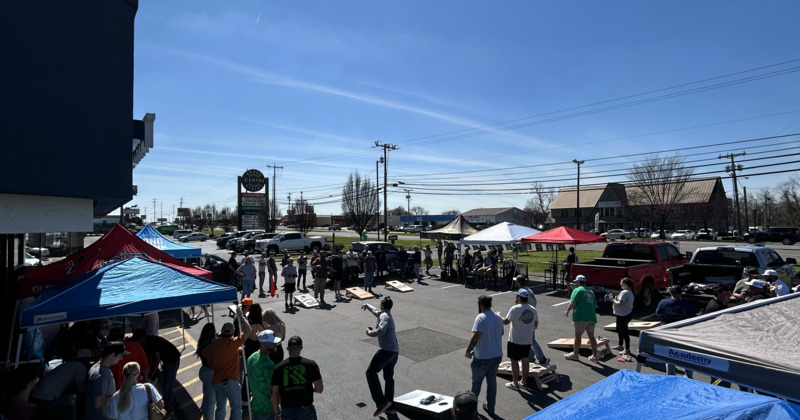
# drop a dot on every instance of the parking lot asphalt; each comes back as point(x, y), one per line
point(433, 324)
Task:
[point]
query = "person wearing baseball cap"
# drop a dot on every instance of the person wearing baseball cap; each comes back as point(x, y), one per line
point(584, 318)
point(465, 406)
point(223, 358)
point(259, 371)
point(100, 383)
point(524, 321)
point(294, 382)
point(757, 289)
point(776, 286)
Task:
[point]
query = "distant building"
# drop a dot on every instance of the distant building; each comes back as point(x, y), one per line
point(493, 216)
point(613, 205)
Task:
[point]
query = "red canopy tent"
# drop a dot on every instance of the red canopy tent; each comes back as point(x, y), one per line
point(116, 245)
point(564, 235)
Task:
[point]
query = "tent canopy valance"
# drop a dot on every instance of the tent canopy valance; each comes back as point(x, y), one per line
point(500, 234)
point(131, 286)
point(564, 235)
point(153, 237)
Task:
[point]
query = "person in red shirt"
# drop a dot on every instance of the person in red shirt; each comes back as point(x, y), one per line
point(137, 354)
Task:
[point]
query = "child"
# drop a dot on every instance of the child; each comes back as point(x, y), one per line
point(289, 274)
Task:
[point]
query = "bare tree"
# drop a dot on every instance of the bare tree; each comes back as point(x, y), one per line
point(453, 212)
point(785, 210)
point(537, 207)
point(418, 211)
point(302, 215)
point(659, 184)
point(359, 201)
point(398, 211)
point(265, 216)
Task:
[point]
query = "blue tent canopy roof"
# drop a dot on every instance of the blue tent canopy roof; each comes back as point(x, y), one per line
point(131, 286)
point(631, 395)
point(158, 241)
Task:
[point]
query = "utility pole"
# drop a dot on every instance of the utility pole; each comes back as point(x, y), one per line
point(732, 168)
point(386, 147)
point(180, 206)
point(273, 214)
point(288, 207)
point(578, 195)
point(408, 197)
point(377, 198)
point(154, 209)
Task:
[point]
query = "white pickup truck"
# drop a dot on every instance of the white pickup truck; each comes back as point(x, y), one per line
point(293, 241)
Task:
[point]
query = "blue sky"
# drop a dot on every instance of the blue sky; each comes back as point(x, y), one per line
point(481, 98)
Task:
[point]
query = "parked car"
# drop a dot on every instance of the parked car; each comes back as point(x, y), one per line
point(218, 267)
point(657, 234)
point(390, 249)
point(618, 234)
point(240, 241)
point(180, 233)
point(784, 235)
point(251, 243)
point(415, 229)
point(682, 235)
point(38, 251)
point(30, 260)
point(335, 226)
point(643, 232)
point(293, 241)
point(708, 234)
point(194, 236)
point(224, 238)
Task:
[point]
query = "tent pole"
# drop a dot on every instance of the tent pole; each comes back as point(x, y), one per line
point(19, 350)
point(183, 331)
point(11, 332)
point(246, 379)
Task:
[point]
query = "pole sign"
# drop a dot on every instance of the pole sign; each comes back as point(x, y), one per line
point(253, 180)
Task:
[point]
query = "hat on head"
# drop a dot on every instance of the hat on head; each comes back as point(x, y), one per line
point(226, 330)
point(522, 293)
point(267, 336)
point(295, 341)
point(247, 302)
point(756, 283)
point(465, 405)
point(581, 278)
point(771, 273)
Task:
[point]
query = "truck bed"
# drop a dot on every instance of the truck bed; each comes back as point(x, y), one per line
point(615, 262)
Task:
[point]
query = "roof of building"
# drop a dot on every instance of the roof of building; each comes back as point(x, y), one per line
point(488, 211)
point(695, 191)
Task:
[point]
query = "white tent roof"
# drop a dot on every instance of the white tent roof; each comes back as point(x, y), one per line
point(500, 234)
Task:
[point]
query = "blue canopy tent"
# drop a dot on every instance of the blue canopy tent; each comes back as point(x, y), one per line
point(132, 286)
point(158, 241)
point(631, 395)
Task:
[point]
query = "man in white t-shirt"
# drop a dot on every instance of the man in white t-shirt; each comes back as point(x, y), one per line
point(524, 320)
point(485, 350)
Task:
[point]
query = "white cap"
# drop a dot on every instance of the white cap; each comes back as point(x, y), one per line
point(581, 278)
point(771, 273)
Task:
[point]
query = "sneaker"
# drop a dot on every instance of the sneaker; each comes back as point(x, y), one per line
point(512, 386)
point(523, 385)
point(571, 356)
point(486, 409)
point(594, 359)
point(617, 348)
point(381, 408)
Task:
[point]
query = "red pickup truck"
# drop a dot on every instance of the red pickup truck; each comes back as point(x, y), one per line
point(646, 263)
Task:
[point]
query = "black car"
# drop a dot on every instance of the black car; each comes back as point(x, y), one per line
point(223, 239)
point(784, 235)
point(218, 267)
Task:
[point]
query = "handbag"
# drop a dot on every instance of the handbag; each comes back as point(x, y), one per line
point(153, 412)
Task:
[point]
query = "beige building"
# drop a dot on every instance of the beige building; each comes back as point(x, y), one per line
point(702, 203)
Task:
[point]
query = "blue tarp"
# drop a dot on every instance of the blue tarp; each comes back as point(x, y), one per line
point(157, 240)
point(132, 286)
point(631, 395)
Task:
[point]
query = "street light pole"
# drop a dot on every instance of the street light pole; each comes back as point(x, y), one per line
point(408, 197)
point(386, 148)
point(578, 195)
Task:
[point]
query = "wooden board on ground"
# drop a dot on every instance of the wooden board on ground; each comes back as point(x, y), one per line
point(359, 293)
point(306, 300)
point(566, 344)
point(398, 286)
point(411, 403)
point(635, 325)
point(538, 373)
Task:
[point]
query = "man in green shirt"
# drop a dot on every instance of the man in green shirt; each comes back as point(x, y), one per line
point(259, 372)
point(584, 317)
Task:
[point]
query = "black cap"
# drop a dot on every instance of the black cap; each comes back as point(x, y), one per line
point(465, 405)
point(295, 341)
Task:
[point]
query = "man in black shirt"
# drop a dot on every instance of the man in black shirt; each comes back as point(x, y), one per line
point(233, 265)
point(294, 382)
point(160, 352)
point(380, 261)
point(722, 295)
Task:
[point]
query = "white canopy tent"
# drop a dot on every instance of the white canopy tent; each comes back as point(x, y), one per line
point(500, 234)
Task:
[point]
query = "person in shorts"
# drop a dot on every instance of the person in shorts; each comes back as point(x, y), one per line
point(584, 318)
point(289, 273)
point(524, 320)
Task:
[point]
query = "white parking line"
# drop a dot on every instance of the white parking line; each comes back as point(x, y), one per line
point(562, 303)
point(452, 285)
point(501, 293)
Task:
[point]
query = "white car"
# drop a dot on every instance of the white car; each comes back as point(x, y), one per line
point(30, 260)
point(180, 233)
point(194, 236)
point(657, 234)
point(683, 234)
point(37, 251)
point(618, 234)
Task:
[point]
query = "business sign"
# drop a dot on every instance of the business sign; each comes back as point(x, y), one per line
point(682, 357)
point(253, 180)
point(608, 204)
point(253, 202)
point(131, 210)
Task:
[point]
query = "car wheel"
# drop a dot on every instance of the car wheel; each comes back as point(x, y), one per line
point(786, 241)
point(646, 296)
point(622, 237)
point(751, 240)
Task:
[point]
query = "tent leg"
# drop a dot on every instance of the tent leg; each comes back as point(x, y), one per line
point(19, 350)
point(11, 333)
point(244, 360)
point(183, 331)
point(639, 367)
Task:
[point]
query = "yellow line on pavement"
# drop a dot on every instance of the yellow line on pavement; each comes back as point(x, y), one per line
point(176, 330)
point(185, 368)
point(191, 382)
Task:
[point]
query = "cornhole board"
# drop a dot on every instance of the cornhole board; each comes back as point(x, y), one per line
point(410, 405)
point(635, 325)
point(359, 293)
point(306, 300)
point(540, 374)
point(398, 286)
point(566, 344)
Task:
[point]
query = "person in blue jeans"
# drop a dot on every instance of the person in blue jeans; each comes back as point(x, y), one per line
point(485, 350)
point(385, 358)
point(223, 358)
